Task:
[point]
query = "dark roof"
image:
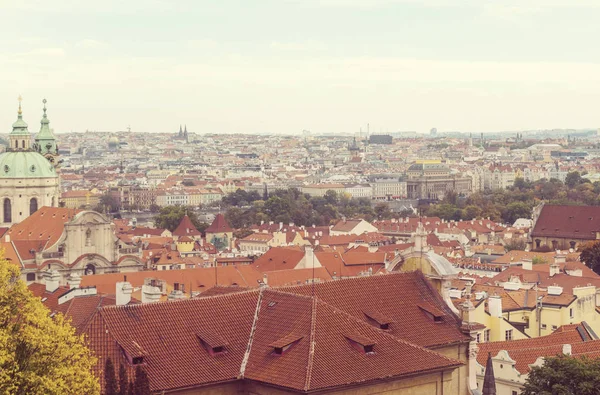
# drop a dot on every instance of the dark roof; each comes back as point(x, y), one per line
point(219, 225)
point(186, 228)
point(249, 325)
point(575, 222)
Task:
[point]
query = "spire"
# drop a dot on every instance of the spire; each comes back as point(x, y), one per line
point(489, 380)
point(20, 127)
point(20, 112)
point(45, 140)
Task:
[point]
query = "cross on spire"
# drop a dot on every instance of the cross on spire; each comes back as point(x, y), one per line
point(20, 100)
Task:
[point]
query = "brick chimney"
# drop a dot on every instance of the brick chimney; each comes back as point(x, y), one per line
point(52, 278)
point(123, 292)
point(554, 269)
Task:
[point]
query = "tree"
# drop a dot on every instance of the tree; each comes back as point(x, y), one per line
point(382, 211)
point(169, 217)
point(240, 234)
point(515, 244)
point(110, 380)
point(154, 208)
point(39, 354)
point(123, 380)
point(573, 179)
point(108, 204)
point(564, 375)
point(514, 211)
point(141, 384)
point(590, 255)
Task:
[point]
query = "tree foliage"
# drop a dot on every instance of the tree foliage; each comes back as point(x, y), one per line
point(517, 201)
point(169, 218)
point(141, 384)
point(245, 209)
point(590, 255)
point(564, 375)
point(39, 354)
point(108, 204)
point(110, 379)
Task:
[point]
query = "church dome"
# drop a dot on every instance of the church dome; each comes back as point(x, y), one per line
point(25, 164)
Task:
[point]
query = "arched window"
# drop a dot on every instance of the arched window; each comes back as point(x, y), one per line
point(33, 206)
point(22, 143)
point(7, 210)
point(16, 143)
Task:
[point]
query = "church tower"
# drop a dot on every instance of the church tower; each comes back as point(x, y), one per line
point(19, 138)
point(45, 142)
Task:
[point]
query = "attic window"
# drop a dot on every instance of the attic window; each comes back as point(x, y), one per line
point(137, 360)
point(213, 343)
point(432, 312)
point(379, 319)
point(361, 343)
point(282, 345)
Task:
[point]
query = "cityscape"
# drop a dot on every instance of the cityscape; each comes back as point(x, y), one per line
point(394, 234)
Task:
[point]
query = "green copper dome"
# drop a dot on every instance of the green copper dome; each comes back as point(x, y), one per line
point(25, 164)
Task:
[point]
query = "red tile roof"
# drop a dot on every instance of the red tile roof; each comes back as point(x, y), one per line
point(576, 222)
point(186, 228)
point(47, 225)
point(219, 225)
point(249, 325)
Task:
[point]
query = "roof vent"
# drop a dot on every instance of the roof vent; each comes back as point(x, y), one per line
point(381, 320)
point(285, 343)
point(361, 343)
point(213, 343)
point(432, 311)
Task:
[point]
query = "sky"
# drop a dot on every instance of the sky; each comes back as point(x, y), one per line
point(284, 66)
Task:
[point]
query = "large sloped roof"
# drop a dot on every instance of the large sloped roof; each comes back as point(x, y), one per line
point(219, 225)
point(186, 228)
point(578, 222)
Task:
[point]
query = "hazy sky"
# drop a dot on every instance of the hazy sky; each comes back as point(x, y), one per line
point(282, 66)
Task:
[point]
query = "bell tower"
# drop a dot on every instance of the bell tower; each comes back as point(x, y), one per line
point(20, 138)
point(45, 142)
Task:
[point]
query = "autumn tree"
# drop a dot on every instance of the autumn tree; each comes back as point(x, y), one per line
point(564, 375)
point(39, 354)
point(590, 255)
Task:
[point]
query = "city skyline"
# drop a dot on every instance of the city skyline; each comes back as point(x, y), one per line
point(327, 66)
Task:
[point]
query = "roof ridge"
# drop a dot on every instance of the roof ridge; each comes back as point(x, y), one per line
point(251, 337)
point(311, 353)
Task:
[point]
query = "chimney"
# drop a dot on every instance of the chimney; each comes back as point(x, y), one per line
point(555, 290)
point(560, 258)
point(527, 264)
point(554, 269)
point(74, 280)
point(495, 306)
point(123, 292)
point(566, 349)
point(7, 239)
point(280, 225)
point(150, 294)
point(52, 278)
point(309, 256)
point(176, 294)
point(265, 279)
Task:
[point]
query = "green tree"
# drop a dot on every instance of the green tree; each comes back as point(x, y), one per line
point(169, 217)
point(590, 255)
point(123, 380)
point(108, 204)
point(110, 380)
point(564, 375)
point(573, 179)
point(39, 354)
point(154, 208)
point(141, 384)
point(382, 211)
point(240, 234)
point(515, 244)
point(514, 211)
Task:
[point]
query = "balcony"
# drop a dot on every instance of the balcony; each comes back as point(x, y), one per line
point(53, 255)
point(130, 250)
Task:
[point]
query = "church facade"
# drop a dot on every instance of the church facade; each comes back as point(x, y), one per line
point(28, 176)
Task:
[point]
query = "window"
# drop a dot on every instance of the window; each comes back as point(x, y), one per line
point(33, 206)
point(554, 327)
point(478, 338)
point(508, 335)
point(30, 276)
point(22, 143)
point(7, 210)
point(515, 393)
point(486, 335)
point(543, 326)
point(571, 313)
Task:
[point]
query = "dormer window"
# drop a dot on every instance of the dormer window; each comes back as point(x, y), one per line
point(361, 343)
point(212, 342)
point(432, 312)
point(378, 319)
point(282, 345)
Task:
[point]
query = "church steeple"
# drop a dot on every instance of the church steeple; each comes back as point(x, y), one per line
point(20, 138)
point(45, 140)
